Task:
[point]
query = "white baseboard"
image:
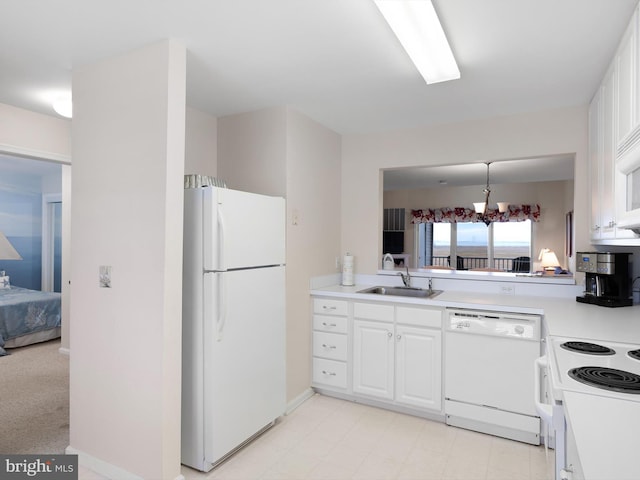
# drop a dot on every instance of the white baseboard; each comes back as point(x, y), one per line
point(103, 468)
point(299, 400)
point(64, 351)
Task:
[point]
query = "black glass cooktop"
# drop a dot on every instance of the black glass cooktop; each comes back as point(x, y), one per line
point(589, 348)
point(607, 379)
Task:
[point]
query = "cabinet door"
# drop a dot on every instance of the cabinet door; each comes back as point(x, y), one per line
point(607, 208)
point(373, 351)
point(627, 114)
point(595, 163)
point(418, 367)
point(626, 82)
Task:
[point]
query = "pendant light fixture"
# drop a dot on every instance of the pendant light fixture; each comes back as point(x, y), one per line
point(482, 208)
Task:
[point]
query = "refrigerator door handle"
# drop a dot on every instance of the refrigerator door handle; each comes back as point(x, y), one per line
point(221, 234)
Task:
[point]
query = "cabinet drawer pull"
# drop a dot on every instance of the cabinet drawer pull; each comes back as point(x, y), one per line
point(331, 374)
point(325, 324)
point(328, 346)
point(326, 307)
point(399, 337)
point(389, 334)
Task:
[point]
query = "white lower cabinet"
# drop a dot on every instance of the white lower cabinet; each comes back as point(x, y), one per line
point(330, 343)
point(384, 351)
point(373, 358)
point(397, 362)
point(419, 367)
point(329, 373)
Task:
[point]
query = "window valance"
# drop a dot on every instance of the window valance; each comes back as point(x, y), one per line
point(515, 213)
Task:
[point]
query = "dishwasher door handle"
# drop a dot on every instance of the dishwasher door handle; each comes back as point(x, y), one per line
point(544, 410)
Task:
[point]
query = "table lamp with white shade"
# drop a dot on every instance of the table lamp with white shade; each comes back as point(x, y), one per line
point(548, 260)
point(7, 252)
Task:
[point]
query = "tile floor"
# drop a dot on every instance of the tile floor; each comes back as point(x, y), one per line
point(327, 438)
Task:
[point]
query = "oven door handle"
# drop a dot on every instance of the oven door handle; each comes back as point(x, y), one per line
point(544, 410)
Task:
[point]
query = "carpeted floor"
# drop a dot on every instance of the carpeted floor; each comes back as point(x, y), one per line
point(34, 400)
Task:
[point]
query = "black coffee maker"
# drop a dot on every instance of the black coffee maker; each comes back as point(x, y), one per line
point(607, 281)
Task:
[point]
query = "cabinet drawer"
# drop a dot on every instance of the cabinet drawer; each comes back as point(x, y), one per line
point(330, 324)
point(329, 306)
point(421, 317)
point(330, 345)
point(330, 372)
point(373, 311)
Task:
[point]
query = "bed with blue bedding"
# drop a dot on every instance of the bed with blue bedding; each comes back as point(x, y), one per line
point(27, 316)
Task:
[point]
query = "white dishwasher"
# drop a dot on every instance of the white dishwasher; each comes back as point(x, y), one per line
point(488, 380)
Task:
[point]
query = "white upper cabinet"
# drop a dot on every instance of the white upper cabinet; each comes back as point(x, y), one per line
point(595, 164)
point(614, 126)
point(607, 204)
point(627, 81)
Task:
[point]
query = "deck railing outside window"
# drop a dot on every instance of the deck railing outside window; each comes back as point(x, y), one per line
point(468, 263)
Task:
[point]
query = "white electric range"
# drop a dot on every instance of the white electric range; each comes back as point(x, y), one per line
point(592, 369)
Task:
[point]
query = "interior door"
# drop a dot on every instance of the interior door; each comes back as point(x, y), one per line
point(51, 277)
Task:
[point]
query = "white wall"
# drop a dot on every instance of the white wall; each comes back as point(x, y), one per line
point(313, 242)
point(201, 143)
point(551, 196)
point(521, 136)
point(278, 151)
point(34, 134)
point(252, 151)
point(128, 150)
point(66, 259)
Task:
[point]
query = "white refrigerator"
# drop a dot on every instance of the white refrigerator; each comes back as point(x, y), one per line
point(233, 334)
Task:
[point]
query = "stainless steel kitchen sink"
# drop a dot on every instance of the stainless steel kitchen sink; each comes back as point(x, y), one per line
point(402, 291)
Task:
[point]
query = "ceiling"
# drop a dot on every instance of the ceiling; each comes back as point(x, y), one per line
point(333, 60)
point(538, 169)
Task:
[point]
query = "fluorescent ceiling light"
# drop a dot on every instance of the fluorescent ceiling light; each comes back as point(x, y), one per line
point(416, 25)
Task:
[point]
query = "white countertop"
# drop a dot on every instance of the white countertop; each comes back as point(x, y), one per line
point(564, 317)
point(604, 427)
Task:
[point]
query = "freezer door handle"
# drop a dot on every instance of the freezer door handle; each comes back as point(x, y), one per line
point(215, 304)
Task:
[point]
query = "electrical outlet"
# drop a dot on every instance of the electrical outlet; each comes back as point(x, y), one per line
point(507, 289)
point(337, 264)
point(104, 276)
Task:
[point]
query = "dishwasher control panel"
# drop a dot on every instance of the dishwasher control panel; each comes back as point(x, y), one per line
point(501, 324)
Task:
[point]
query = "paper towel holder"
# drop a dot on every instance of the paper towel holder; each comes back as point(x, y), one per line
point(347, 270)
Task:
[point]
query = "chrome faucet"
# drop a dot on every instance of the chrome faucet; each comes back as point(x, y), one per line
point(406, 279)
point(430, 285)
